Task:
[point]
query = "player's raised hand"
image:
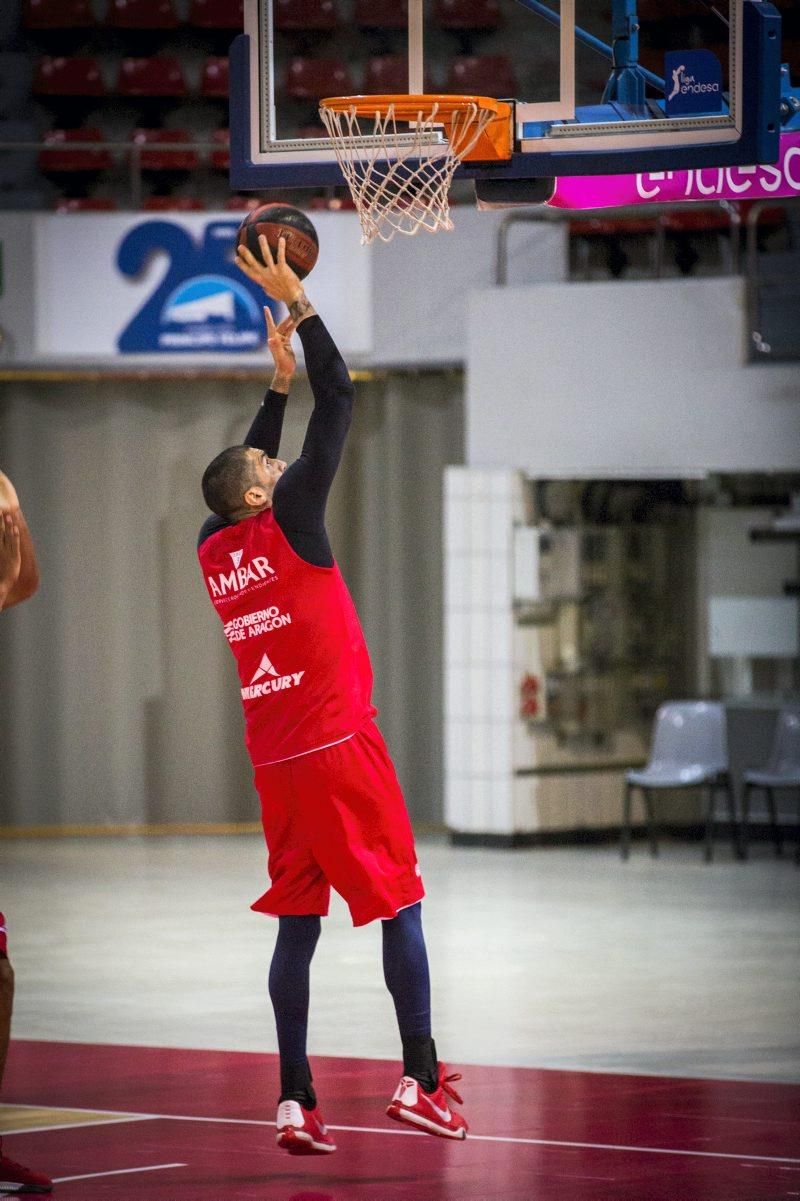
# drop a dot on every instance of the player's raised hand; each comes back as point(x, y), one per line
point(279, 343)
point(274, 275)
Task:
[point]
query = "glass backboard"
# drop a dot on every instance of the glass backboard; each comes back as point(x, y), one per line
point(699, 90)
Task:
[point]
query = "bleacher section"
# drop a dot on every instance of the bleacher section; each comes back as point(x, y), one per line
point(153, 75)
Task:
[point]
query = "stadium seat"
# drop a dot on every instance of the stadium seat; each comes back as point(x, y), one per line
point(214, 82)
point(86, 157)
point(482, 75)
point(467, 14)
point(85, 204)
point(686, 230)
point(183, 158)
point(242, 204)
point(332, 204)
point(609, 227)
point(312, 78)
point(141, 14)
point(387, 73)
point(611, 235)
point(293, 15)
point(79, 75)
point(696, 220)
point(381, 14)
point(217, 14)
point(220, 157)
point(177, 204)
point(59, 14)
point(161, 75)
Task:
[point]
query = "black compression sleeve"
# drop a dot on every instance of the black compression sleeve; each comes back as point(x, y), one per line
point(302, 491)
point(265, 432)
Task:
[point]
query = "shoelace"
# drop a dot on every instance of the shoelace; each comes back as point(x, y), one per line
point(446, 1083)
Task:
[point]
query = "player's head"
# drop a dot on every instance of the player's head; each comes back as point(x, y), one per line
point(240, 481)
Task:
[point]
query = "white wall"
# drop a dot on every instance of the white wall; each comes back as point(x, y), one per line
point(624, 378)
point(421, 286)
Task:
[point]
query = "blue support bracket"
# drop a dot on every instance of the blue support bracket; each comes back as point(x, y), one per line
point(620, 20)
point(628, 80)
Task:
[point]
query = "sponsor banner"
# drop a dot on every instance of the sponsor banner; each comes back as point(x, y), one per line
point(118, 286)
point(767, 181)
point(693, 83)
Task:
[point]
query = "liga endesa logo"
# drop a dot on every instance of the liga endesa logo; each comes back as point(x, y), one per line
point(694, 83)
point(233, 582)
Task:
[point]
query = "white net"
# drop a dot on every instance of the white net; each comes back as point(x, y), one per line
point(400, 181)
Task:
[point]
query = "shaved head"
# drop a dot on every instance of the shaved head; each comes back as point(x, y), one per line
point(227, 478)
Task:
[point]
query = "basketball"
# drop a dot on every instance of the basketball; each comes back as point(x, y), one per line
point(281, 220)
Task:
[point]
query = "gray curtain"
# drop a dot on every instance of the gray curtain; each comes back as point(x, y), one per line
point(118, 696)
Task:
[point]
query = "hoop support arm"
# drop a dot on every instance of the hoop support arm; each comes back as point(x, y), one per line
point(587, 38)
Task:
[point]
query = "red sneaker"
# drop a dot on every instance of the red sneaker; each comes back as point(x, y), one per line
point(302, 1131)
point(16, 1179)
point(429, 1111)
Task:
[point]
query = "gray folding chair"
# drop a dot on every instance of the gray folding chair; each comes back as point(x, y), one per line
point(690, 750)
point(781, 771)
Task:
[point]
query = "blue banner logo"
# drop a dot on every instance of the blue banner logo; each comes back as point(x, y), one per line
point(203, 303)
point(693, 83)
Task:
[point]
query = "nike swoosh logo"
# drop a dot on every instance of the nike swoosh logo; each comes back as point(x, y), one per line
point(444, 1114)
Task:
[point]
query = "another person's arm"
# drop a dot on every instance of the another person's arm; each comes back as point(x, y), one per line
point(17, 550)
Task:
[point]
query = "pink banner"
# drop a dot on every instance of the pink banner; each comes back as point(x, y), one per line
point(762, 182)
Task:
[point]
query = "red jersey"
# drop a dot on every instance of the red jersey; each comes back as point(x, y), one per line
point(304, 668)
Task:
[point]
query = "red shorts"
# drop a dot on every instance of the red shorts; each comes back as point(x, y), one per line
point(337, 817)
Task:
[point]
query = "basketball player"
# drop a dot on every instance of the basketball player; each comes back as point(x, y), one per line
point(331, 805)
point(19, 579)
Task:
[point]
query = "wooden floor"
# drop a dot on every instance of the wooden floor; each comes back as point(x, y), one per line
point(149, 1124)
point(646, 1013)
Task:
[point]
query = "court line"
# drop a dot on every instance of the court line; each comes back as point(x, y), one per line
point(122, 1113)
point(479, 1138)
point(77, 1125)
point(157, 1167)
point(501, 1138)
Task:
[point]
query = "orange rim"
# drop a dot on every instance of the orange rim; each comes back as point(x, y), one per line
point(410, 107)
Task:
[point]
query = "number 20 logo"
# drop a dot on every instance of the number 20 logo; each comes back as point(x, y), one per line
point(202, 303)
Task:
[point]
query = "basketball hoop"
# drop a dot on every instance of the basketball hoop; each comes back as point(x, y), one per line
point(399, 179)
